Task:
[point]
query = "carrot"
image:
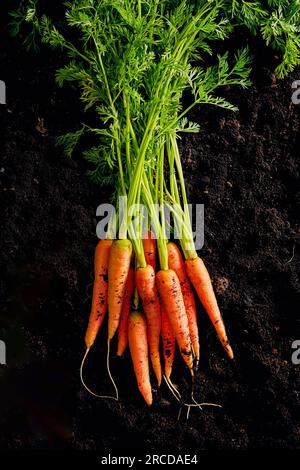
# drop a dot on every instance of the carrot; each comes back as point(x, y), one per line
point(100, 289)
point(123, 328)
point(177, 264)
point(137, 335)
point(168, 341)
point(118, 268)
point(200, 279)
point(146, 287)
point(149, 244)
point(171, 297)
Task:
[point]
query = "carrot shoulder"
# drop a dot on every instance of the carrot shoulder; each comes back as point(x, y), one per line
point(100, 290)
point(149, 244)
point(201, 281)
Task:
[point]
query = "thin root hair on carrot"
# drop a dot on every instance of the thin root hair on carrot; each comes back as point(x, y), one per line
point(109, 373)
point(195, 404)
point(85, 385)
point(173, 389)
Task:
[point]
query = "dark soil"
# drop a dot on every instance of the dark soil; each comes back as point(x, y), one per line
point(245, 168)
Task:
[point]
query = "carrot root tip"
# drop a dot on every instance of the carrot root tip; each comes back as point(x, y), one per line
point(230, 352)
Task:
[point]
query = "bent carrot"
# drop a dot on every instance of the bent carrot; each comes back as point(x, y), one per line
point(200, 279)
point(118, 268)
point(100, 289)
point(177, 264)
point(123, 328)
point(137, 335)
point(168, 341)
point(146, 287)
point(171, 297)
point(149, 245)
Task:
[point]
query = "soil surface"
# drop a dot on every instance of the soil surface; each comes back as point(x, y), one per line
point(245, 168)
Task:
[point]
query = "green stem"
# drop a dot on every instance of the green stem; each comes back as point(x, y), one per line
point(127, 108)
point(161, 245)
point(187, 234)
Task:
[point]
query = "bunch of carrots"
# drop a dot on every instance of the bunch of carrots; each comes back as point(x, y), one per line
point(147, 306)
point(133, 61)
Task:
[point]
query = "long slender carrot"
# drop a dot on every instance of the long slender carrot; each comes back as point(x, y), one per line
point(168, 342)
point(100, 289)
point(123, 328)
point(171, 296)
point(149, 244)
point(137, 335)
point(118, 268)
point(176, 263)
point(146, 287)
point(200, 279)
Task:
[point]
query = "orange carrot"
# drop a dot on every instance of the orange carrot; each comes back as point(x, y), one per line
point(100, 289)
point(200, 279)
point(145, 284)
point(168, 341)
point(123, 328)
point(137, 335)
point(177, 264)
point(118, 268)
point(171, 297)
point(149, 244)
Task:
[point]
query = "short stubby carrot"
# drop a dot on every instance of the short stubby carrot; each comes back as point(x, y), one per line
point(168, 342)
point(138, 345)
point(118, 268)
point(176, 263)
point(171, 296)
point(146, 287)
point(100, 290)
point(123, 328)
point(149, 244)
point(201, 281)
